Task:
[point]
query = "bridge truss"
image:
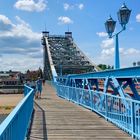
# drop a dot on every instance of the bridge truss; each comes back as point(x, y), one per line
point(62, 56)
point(112, 94)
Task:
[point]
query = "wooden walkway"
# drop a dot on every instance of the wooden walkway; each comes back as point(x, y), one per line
point(57, 119)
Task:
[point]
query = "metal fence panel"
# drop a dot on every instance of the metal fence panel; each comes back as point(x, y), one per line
point(15, 126)
point(123, 112)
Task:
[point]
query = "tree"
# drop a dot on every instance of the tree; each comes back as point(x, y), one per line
point(28, 71)
point(32, 75)
point(10, 71)
point(138, 63)
point(40, 73)
point(134, 64)
point(104, 67)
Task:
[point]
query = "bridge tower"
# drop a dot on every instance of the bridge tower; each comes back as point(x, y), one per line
point(63, 56)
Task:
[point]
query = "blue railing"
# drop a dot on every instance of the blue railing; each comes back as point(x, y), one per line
point(111, 107)
point(15, 126)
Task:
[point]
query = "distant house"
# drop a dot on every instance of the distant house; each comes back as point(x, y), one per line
point(10, 78)
point(10, 82)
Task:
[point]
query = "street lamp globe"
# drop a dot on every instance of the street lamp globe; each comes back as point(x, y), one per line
point(110, 26)
point(123, 15)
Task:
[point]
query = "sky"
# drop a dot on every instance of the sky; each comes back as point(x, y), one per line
point(22, 21)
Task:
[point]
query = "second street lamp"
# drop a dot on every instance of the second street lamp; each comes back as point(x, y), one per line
point(123, 17)
point(110, 26)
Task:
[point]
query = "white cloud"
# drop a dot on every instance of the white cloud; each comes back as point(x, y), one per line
point(73, 6)
point(81, 6)
point(107, 52)
point(107, 47)
point(102, 34)
point(19, 42)
point(4, 19)
point(131, 51)
point(21, 29)
point(64, 20)
point(106, 55)
point(107, 43)
point(19, 20)
point(31, 5)
point(127, 56)
point(5, 23)
point(20, 62)
point(138, 17)
point(67, 6)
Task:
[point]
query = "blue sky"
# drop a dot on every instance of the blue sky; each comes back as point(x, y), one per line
point(22, 21)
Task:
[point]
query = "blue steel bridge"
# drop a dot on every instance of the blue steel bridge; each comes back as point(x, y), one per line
point(79, 101)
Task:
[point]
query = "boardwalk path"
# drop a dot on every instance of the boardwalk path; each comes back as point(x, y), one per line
point(57, 119)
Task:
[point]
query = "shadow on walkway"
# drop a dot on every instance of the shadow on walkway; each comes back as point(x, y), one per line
point(42, 116)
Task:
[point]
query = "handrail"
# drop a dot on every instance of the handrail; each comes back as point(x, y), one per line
point(15, 126)
point(53, 70)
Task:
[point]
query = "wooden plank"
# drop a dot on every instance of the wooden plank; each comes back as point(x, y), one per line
point(57, 119)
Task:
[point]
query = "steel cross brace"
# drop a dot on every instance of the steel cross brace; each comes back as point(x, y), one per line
point(102, 97)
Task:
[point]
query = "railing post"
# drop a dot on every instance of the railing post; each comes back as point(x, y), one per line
point(106, 106)
point(77, 95)
point(133, 118)
point(91, 95)
point(68, 93)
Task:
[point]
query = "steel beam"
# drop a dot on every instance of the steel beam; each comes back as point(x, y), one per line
point(132, 72)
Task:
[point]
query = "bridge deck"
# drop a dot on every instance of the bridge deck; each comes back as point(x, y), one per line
point(58, 119)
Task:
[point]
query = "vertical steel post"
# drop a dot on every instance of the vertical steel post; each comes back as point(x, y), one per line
point(133, 118)
point(117, 58)
point(106, 84)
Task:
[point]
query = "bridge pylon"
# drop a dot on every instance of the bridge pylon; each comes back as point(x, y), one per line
point(62, 56)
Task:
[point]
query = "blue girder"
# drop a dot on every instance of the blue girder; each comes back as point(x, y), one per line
point(118, 80)
point(113, 94)
point(132, 72)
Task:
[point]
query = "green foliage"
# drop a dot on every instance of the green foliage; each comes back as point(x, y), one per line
point(136, 63)
point(105, 67)
point(40, 73)
point(33, 75)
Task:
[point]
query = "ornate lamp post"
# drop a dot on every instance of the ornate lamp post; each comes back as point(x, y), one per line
point(123, 17)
